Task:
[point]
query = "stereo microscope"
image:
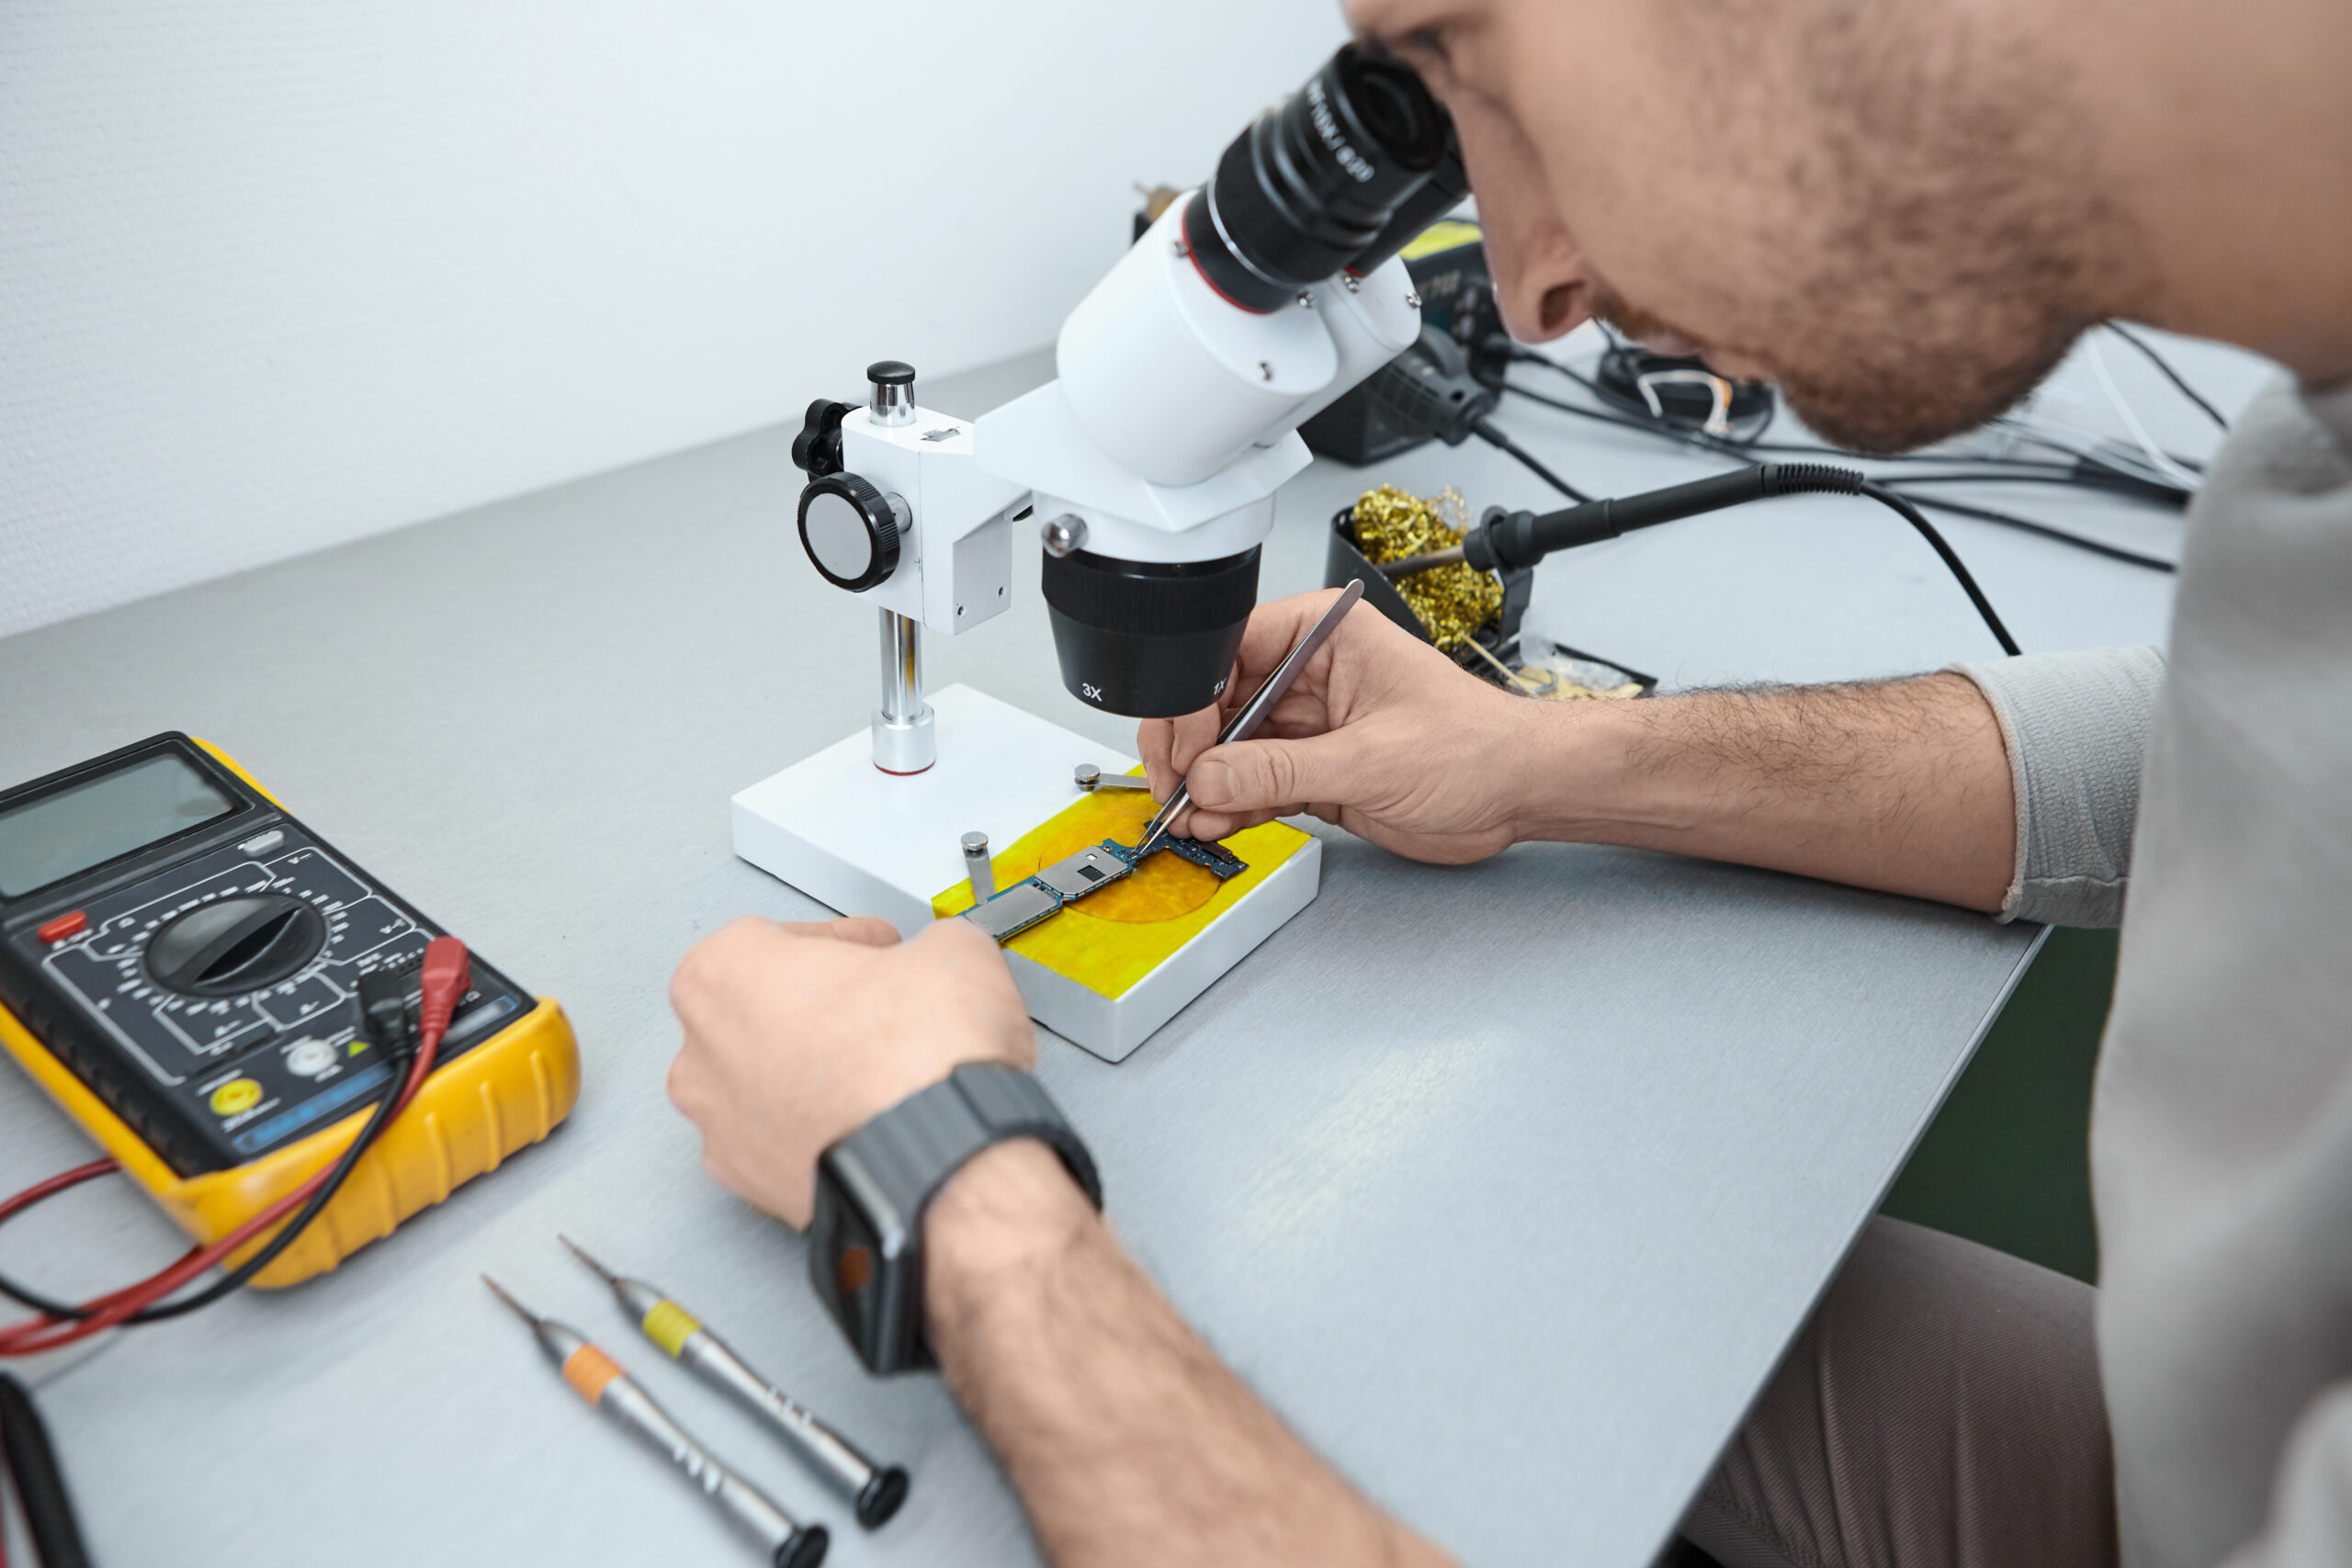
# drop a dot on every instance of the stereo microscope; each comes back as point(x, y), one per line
point(1148, 470)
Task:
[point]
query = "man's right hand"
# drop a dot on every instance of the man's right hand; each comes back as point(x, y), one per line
point(1382, 735)
point(1902, 785)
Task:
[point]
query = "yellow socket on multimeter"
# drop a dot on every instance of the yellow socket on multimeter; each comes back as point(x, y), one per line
point(179, 960)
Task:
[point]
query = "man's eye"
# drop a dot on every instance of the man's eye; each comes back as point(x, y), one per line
point(1429, 41)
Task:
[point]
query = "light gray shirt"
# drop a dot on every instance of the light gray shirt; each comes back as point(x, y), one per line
point(2222, 1124)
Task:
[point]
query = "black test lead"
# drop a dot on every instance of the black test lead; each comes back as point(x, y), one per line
point(875, 1492)
point(40, 1486)
point(599, 1380)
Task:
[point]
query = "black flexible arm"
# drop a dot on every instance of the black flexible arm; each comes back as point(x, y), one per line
point(1504, 541)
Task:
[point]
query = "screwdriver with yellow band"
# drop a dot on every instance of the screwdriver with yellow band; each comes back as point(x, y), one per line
point(598, 1378)
point(874, 1490)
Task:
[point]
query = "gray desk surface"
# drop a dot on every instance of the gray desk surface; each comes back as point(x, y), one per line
point(1506, 1184)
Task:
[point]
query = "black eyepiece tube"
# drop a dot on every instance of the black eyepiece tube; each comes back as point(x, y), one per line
point(1314, 183)
point(1445, 190)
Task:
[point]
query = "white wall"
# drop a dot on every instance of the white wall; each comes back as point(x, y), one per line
point(275, 273)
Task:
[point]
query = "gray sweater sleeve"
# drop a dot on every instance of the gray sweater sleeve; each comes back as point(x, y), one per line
point(2076, 725)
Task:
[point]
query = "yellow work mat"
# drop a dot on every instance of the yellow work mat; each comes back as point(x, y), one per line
point(1109, 940)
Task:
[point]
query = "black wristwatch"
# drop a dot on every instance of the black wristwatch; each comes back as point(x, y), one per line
point(865, 1243)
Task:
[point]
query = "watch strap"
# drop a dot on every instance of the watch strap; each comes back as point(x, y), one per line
point(870, 1274)
point(910, 1150)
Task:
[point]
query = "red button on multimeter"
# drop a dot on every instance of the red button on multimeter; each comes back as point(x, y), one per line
point(65, 926)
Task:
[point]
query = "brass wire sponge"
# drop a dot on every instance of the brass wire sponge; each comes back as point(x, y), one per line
point(1456, 601)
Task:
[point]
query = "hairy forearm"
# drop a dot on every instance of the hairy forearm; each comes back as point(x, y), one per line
point(1902, 785)
point(1128, 1440)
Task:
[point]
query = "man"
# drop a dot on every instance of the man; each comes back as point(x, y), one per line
point(1903, 211)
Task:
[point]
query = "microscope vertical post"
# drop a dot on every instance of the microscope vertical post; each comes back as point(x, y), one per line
point(905, 739)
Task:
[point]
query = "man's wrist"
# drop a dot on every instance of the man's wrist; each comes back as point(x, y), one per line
point(1567, 769)
point(1012, 1211)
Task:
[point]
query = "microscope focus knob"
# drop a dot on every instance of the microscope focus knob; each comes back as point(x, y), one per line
point(850, 530)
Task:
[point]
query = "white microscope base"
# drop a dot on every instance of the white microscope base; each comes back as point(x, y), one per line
point(866, 843)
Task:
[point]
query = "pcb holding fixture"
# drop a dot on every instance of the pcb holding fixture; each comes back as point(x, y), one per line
point(1090, 778)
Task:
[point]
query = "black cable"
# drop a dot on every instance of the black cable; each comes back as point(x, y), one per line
point(2026, 525)
point(397, 1057)
point(1504, 541)
point(1927, 531)
point(292, 1231)
point(2170, 497)
point(1489, 432)
point(39, 1483)
point(2080, 468)
point(1720, 449)
point(38, 1302)
point(2174, 377)
point(2060, 476)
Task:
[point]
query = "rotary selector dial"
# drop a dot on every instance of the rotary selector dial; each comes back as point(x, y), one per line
point(850, 530)
point(233, 945)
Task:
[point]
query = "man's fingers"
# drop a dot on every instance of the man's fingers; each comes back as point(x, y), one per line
point(1274, 629)
point(1154, 741)
point(1170, 747)
point(870, 930)
point(1195, 733)
point(1215, 825)
point(950, 943)
point(866, 931)
point(1279, 776)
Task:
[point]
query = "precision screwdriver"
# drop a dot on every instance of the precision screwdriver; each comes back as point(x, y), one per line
point(599, 1380)
point(875, 1492)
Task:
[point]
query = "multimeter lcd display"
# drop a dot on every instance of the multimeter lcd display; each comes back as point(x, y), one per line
point(62, 835)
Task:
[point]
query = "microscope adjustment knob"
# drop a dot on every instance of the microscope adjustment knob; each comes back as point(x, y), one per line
point(817, 450)
point(850, 530)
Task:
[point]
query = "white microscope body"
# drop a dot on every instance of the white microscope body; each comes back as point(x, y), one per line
point(1171, 421)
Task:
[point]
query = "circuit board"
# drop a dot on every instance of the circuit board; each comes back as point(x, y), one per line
point(1041, 896)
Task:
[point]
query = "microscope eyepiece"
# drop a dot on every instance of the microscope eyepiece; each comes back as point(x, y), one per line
point(1313, 183)
point(1175, 389)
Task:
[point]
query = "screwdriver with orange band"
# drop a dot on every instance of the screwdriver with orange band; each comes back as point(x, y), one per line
point(598, 1378)
point(874, 1490)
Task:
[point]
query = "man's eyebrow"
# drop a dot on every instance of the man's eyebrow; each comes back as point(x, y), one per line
point(1424, 38)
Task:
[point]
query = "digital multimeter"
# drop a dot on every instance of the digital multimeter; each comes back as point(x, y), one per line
point(179, 960)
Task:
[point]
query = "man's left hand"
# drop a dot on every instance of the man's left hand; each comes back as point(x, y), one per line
point(798, 1034)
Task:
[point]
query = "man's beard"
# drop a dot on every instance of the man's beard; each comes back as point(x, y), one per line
point(1893, 395)
point(1959, 245)
point(1887, 390)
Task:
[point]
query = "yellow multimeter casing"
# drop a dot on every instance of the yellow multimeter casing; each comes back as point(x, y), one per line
point(178, 956)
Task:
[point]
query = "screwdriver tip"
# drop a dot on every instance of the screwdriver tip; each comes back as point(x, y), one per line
point(500, 1291)
point(581, 1253)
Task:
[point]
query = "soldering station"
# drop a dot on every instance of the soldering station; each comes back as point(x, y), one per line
point(291, 1060)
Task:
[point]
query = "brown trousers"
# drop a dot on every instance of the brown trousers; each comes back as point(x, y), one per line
point(1942, 1410)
